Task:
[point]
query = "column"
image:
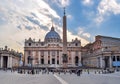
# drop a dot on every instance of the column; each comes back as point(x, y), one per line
point(39, 58)
point(110, 61)
point(72, 61)
point(60, 58)
point(80, 58)
point(50, 57)
point(1, 62)
point(101, 62)
point(56, 57)
point(33, 56)
point(98, 62)
point(8, 62)
point(10, 58)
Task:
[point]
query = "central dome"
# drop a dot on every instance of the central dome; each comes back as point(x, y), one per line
point(52, 35)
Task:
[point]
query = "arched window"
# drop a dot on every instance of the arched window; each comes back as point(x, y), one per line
point(36, 44)
point(76, 44)
point(76, 60)
point(29, 44)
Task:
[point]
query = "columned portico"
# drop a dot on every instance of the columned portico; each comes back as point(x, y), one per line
point(9, 59)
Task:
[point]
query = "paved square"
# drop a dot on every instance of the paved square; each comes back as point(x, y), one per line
point(85, 78)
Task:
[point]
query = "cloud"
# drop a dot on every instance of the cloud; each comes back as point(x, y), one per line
point(28, 18)
point(106, 8)
point(87, 2)
point(65, 2)
point(81, 32)
point(61, 3)
point(99, 19)
point(72, 36)
point(31, 19)
point(24, 19)
point(70, 17)
point(86, 35)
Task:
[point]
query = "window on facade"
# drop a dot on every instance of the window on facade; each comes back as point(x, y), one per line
point(53, 60)
point(113, 58)
point(42, 61)
point(42, 44)
point(29, 44)
point(76, 44)
point(118, 58)
point(36, 44)
point(51, 40)
point(48, 61)
point(69, 58)
point(106, 47)
point(48, 40)
point(57, 61)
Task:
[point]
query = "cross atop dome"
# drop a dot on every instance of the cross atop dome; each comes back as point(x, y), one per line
point(52, 28)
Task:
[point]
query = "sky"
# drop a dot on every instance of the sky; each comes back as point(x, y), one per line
point(21, 19)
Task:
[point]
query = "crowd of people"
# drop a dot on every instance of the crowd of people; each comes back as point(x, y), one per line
point(78, 71)
point(47, 71)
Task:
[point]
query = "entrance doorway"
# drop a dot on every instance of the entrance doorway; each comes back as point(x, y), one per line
point(106, 59)
point(53, 60)
point(5, 61)
point(42, 61)
point(76, 60)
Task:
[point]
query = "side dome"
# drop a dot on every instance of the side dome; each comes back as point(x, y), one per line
point(52, 36)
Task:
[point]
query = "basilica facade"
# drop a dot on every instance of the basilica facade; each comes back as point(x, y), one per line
point(50, 51)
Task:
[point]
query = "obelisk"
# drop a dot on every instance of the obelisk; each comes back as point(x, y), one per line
point(65, 60)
